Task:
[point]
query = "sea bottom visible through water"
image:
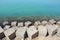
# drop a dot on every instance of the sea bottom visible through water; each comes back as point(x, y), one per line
point(29, 18)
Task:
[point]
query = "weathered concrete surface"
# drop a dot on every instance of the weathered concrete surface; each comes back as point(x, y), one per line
point(47, 38)
point(58, 32)
point(44, 22)
point(5, 38)
point(13, 23)
point(27, 23)
point(58, 22)
point(32, 32)
point(6, 27)
point(21, 32)
point(20, 24)
point(5, 22)
point(37, 23)
point(42, 30)
point(1, 30)
point(2, 35)
point(42, 38)
point(15, 27)
point(52, 21)
point(17, 38)
point(10, 33)
point(52, 29)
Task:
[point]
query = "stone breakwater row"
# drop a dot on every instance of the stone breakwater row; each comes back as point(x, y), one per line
point(28, 30)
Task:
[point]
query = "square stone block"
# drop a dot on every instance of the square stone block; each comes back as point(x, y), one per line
point(21, 32)
point(42, 30)
point(58, 32)
point(20, 24)
point(2, 35)
point(32, 32)
point(52, 29)
point(10, 33)
point(13, 23)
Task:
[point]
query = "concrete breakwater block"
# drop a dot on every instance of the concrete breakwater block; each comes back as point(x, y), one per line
point(6, 27)
point(10, 33)
point(2, 35)
point(52, 29)
point(15, 27)
point(42, 30)
point(5, 38)
point(21, 33)
point(5, 23)
point(27, 23)
point(36, 23)
point(13, 23)
point(20, 24)
point(17, 38)
point(58, 32)
point(32, 32)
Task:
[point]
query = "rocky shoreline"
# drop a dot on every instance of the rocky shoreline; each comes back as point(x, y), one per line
point(29, 28)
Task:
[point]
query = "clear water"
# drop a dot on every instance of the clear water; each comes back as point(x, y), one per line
point(29, 7)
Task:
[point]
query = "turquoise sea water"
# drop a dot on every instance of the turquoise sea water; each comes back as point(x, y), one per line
point(29, 7)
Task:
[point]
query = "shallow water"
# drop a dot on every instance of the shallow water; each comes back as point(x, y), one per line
point(29, 7)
